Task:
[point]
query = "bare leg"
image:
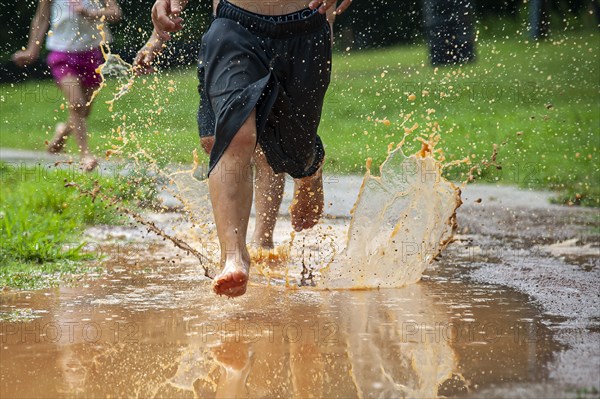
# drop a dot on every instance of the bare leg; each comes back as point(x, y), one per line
point(88, 92)
point(269, 193)
point(230, 185)
point(307, 206)
point(88, 161)
point(267, 198)
point(78, 113)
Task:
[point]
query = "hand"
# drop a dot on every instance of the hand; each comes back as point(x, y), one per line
point(165, 17)
point(323, 6)
point(142, 65)
point(24, 57)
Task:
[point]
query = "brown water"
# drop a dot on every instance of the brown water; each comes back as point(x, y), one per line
point(113, 67)
point(155, 329)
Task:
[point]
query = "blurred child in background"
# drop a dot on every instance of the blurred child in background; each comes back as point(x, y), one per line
point(74, 43)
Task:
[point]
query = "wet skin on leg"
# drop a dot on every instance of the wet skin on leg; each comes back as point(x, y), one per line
point(230, 185)
point(306, 208)
point(267, 197)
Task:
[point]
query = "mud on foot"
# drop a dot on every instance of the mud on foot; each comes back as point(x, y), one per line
point(233, 279)
point(307, 206)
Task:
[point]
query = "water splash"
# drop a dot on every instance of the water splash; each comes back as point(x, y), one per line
point(401, 222)
point(114, 67)
point(117, 68)
point(97, 193)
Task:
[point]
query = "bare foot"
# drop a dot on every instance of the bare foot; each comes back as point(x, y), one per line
point(307, 206)
point(233, 278)
point(61, 133)
point(88, 163)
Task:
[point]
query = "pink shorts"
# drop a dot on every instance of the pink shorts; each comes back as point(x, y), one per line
point(81, 64)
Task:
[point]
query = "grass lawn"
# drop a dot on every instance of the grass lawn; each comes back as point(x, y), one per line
point(541, 99)
point(41, 221)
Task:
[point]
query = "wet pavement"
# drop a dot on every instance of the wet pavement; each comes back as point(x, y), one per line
point(511, 309)
point(551, 253)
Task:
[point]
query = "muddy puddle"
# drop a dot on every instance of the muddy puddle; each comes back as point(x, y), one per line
point(151, 327)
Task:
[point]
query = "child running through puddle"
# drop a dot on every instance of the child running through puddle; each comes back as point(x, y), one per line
point(264, 69)
point(74, 43)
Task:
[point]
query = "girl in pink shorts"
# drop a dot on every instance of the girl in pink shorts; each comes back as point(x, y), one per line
point(74, 43)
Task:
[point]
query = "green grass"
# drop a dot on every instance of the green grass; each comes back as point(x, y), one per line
point(42, 222)
point(540, 99)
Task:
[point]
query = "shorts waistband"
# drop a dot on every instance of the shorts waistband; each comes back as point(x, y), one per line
point(277, 26)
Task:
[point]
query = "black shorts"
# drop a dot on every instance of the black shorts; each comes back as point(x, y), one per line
point(280, 65)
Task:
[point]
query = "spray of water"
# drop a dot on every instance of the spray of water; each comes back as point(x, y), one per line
point(401, 221)
point(114, 67)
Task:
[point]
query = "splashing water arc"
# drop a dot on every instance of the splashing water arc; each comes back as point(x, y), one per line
point(113, 66)
point(401, 222)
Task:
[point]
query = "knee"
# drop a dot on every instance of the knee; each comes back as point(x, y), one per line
point(207, 143)
point(244, 140)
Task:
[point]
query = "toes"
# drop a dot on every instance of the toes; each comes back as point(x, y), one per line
point(230, 290)
point(225, 285)
point(232, 293)
point(231, 284)
point(298, 224)
point(231, 277)
point(307, 207)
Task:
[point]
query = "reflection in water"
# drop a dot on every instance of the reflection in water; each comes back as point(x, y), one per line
point(353, 344)
point(438, 337)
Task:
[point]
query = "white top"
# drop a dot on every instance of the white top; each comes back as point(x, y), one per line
point(70, 31)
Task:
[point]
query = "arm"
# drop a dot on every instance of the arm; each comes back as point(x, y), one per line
point(165, 17)
point(111, 12)
point(39, 27)
point(146, 55)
